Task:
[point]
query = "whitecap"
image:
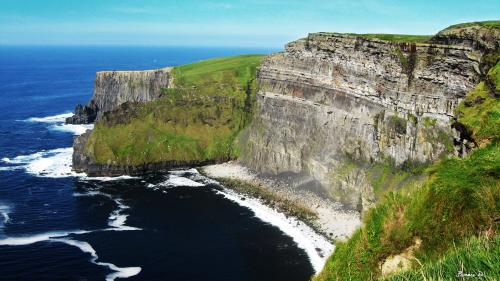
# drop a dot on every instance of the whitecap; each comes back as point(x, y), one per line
point(55, 163)
point(75, 129)
point(4, 214)
point(51, 119)
point(119, 272)
point(23, 159)
point(117, 219)
point(31, 239)
point(124, 177)
point(174, 180)
point(10, 168)
point(183, 172)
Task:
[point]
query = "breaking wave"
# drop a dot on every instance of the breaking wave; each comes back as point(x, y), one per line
point(50, 119)
point(55, 163)
point(116, 221)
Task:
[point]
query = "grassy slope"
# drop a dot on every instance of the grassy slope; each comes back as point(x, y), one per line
point(459, 201)
point(404, 38)
point(396, 38)
point(490, 24)
point(198, 120)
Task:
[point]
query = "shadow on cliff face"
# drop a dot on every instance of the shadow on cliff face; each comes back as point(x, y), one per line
point(302, 182)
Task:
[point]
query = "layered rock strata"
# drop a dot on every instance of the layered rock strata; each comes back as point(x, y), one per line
point(332, 104)
point(113, 88)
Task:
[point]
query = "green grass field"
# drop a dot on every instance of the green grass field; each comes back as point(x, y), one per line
point(490, 24)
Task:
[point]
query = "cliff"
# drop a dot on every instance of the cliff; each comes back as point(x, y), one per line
point(331, 106)
point(112, 88)
point(195, 123)
point(444, 226)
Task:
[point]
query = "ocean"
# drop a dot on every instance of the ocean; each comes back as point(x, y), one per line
point(59, 225)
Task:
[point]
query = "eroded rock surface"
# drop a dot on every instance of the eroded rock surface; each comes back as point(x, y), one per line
point(333, 99)
point(113, 88)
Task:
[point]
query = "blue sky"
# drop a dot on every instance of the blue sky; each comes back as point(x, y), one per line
point(255, 23)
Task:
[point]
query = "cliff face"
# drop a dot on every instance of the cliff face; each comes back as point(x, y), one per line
point(332, 104)
point(112, 88)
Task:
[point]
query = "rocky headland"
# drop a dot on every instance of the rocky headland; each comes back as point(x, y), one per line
point(112, 88)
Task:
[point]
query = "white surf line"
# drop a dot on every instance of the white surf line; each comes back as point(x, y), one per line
point(305, 237)
point(31, 239)
point(317, 247)
point(54, 163)
point(116, 221)
point(50, 119)
point(119, 272)
point(75, 129)
point(87, 178)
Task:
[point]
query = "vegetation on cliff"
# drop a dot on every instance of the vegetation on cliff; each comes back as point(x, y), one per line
point(489, 23)
point(198, 119)
point(396, 38)
point(446, 225)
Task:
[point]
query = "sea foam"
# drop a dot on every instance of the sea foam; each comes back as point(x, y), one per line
point(116, 221)
point(317, 247)
point(31, 239)
point(75, 129)
point(51, 119)
point(4, 215)
point(305, 237)
point(55, 163)
point(175, 180)
point(119, 272)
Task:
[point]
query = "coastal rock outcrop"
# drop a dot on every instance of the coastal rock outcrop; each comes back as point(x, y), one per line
point(333, 104)
point(82, 163)
point(112, 88)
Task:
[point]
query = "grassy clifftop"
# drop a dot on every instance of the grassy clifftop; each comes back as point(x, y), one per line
point(405, 38)
point(446, 225)
point(199, 119)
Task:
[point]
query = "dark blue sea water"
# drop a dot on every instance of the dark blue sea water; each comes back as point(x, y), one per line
point(55, 225)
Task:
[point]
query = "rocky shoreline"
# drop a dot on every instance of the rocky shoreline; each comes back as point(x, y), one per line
point(332, 219)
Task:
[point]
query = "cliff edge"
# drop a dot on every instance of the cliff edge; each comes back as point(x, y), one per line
point(333, 105)
point(112, 88)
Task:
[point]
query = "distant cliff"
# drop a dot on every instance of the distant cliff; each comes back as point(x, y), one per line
point(112, 88)
point(153, 121)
